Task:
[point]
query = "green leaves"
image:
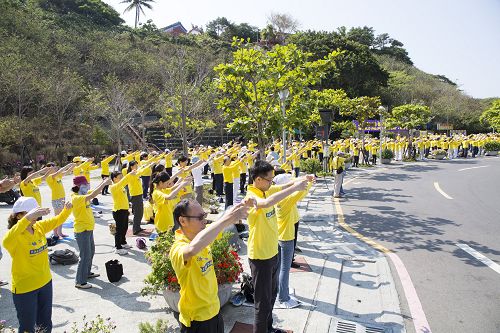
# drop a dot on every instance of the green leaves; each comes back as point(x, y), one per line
point(491, 116)
point(408, 116)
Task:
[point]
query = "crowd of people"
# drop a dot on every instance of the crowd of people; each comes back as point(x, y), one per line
point(262, 189)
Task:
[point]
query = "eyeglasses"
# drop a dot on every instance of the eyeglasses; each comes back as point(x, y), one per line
point(199, 217)
point(269, 180)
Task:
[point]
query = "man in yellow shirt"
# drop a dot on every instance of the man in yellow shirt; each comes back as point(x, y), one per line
point(263, 240)
point(192, 261)
point(105, 171)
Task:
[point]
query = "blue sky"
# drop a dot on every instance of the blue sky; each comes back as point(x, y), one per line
point(456, 38)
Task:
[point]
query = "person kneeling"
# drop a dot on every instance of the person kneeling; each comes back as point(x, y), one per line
point(193, 264)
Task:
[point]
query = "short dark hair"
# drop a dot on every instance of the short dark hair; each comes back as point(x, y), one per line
point(115, 174)
point(183, 158)
point(260, 169)
point(25, 171)
point(181, 209)
point(279, 171)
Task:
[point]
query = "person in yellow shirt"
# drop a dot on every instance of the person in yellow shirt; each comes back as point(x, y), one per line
point(135, 191)
point(229, 169)
point(192, 261)
point(105, 171)
point(165, 202)
point(31, 279)
point(338, 165)
point(84, 227)
point(31, 180)
point(120, 209)
point(263, 240)
point(54, 180)
point(218, 178)
point(169, 155)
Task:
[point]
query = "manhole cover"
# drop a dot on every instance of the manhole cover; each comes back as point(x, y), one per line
point(347, 326)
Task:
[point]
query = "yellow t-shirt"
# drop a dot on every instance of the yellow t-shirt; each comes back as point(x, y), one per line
point(199, 300)
point(164, 218)
point(135, 183)
point(263, 226)
point(218, 162)
point(147, 171)
point(119, 194)
point(168, 160)
point(228, 171)
point(105, 165)
point(30, 260)
point(56, 186)
point(187, 189)
point(287, 215)
point(84, 219)
point(30, 189)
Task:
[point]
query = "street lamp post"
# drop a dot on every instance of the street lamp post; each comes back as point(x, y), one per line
point(283, 95)
point(381, 111)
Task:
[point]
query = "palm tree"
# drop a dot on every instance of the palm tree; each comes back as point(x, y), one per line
point(137, 4)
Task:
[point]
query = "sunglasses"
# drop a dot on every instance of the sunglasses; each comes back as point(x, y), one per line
point(199, 217)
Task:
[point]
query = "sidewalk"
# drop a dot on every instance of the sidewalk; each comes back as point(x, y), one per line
point(349, 284)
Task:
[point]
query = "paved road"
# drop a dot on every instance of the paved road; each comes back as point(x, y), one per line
point(400, 207)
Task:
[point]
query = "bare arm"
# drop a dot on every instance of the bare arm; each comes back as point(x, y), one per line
point(208, 235)
point(98, 189)
point(278, 196)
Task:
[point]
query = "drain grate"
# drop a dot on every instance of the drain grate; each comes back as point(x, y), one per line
point(346, 326)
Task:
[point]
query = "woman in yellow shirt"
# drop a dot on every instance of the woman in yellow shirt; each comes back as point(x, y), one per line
point(105, 171)
point(84, 227)
point(120, 209)
point(31, 180)
point(31, 278)
point(54, 180)
point(164, 219)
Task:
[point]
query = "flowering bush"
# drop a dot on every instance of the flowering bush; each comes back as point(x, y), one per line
point(227, 264)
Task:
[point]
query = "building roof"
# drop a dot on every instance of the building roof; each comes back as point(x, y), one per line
point(176, 26)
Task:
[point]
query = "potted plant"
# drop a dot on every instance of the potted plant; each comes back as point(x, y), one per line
point(492, 148)
point(438, 154)
point(386, 156)
point(227, 265)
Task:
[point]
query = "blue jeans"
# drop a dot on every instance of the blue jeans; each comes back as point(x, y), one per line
point(286, 249)
point(34, 308)
point(86, 246)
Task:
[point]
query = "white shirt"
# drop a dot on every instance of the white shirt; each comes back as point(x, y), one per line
point(197, 175)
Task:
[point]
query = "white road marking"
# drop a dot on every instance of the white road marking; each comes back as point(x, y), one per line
point(438, 188)
point(485, 260)
point(478, 167)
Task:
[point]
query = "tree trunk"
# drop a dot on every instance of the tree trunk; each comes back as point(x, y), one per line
point(363, 145)
point(143, 120)
point(260, 142)
point(136, 16)
point(184, 131)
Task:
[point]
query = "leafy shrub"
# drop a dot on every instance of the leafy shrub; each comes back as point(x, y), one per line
point(161, 326)
point(97, 325)
point(492, 146)
point(311, 166)
point(227, 264)
point(387, 154)
point(437, 152)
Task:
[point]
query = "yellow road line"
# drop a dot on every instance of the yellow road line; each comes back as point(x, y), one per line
point(340, 216)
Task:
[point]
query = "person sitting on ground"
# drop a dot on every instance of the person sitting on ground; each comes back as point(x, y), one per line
point(192, 261)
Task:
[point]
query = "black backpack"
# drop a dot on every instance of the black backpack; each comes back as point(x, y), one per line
point(63, 257)
point(247, 287)
point(114, 270)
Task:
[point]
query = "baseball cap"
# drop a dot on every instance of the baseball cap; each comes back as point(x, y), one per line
point(77, 159)
point(24, 204)
point(80, 180)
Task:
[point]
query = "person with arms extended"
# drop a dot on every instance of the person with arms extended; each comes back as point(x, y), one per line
point(263, 241)
point(193, 264)
point(31, 277)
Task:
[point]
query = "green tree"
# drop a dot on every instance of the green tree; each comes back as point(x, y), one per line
point(362, 109)
point(409, 117)
point(138, 5)
point(250, 84)
point(491, 116)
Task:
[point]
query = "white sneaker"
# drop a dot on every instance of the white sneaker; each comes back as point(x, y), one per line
point(126, 246)
point(121, 252)
point(290, 304)
point(83, 286)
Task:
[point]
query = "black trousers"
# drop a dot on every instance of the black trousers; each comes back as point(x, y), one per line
point(205, 169)
point(105, 189)
point(243, 182)
point(228, 190)
point(219, 183)
point(265, 274)
point(213, 325)
point(297, 172)
point(121, 220)
point(355, 161)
